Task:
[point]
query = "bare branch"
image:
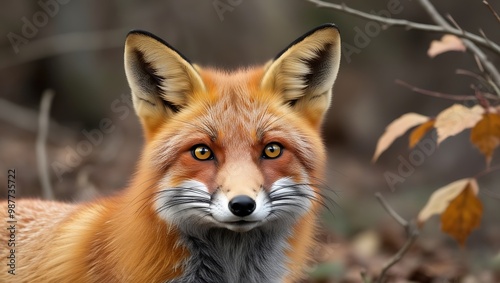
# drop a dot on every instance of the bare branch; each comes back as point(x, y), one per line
point(471, 74)
point(492, 10)
point(390, 210)
point(61, 44)
point(487, 171)
point(409, 24)
point(471, 46)
point(490, 193)
point(413, 233)
point(452, 20)
point(443, 27)
point(435, 93)
point(434, 14)
point(411, 229)
point(26, 119)
point(485, 37)
point(364, 277)
point(41, 150)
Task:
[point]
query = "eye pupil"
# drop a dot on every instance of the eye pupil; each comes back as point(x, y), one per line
point(201, 152)
point(272, 150)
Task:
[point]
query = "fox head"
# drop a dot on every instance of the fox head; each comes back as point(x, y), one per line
point(235, 150)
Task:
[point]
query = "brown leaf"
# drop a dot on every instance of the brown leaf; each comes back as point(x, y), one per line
point(447, 43)
point(486, 135)
point(463, 214)
point(456, 119)
point(397, 128)
point(419, 132)
point(441, 198)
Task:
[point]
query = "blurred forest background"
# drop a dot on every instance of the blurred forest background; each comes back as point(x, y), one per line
point(77, 50)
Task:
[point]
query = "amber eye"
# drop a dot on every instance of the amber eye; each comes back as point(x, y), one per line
point(272, 150)
point(202, 152)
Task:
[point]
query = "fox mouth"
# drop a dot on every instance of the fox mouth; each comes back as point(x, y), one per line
point(241, 225)
point(242, 222)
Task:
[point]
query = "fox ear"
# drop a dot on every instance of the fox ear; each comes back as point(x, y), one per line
point(160, 78)
point(304, 73)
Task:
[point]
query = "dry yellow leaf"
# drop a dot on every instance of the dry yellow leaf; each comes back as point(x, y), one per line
point(441, 198)
point(419, 132)
point(486, 135)
point(447, 43)
point(456, 119)
point(463, 214)
point(397, 128)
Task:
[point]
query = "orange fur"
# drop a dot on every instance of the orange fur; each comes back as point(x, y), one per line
point(122, 238)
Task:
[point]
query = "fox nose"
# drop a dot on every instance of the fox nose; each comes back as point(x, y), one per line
point(242, 205)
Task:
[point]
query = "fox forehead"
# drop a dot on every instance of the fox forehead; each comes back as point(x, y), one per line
point(233, 110)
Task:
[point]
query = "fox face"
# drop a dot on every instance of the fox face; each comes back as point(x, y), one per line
point(233, 150)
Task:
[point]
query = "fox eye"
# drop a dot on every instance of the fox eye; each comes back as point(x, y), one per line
point(272, 150)
point(202, 152)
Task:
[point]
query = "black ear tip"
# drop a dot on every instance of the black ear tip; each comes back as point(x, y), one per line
point(323, 26)
point(156, 38)
point(144, 33)
point(137, 31)
point(327, 25)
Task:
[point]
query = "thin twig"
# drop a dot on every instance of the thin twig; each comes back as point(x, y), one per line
point(492, 10)
point(452, 20)
point(61, 44)
point(390, 210)
point(471, 74)
point(412, 232)
point(485, 37)
point(26, 119)
point(483, 94)
point(491, 194)
point(487, 171)
point(435, 93)
point(41, 150)
point(412, 237)
point(471, 46)
point(451, 96)
point(408, 24)
point(487, 192)
point(482, 100)
point(364, 277)
point(483, 82)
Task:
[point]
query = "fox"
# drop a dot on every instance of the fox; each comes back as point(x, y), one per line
point(227, 186)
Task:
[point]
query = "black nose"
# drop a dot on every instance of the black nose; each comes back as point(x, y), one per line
point(242, 205)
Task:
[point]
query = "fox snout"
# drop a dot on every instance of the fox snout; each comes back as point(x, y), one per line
point(242, 205)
